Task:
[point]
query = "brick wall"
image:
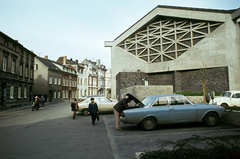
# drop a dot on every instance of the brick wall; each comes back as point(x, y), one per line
point(182, 81)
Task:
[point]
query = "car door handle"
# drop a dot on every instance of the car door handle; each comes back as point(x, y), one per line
point(172, 109)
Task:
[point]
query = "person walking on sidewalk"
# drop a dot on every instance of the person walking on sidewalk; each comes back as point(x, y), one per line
point(118, 108)
point(74, 106)
point(93, 110)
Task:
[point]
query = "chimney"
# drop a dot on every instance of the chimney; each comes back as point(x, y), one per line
point(64, 60)
point(46, 57)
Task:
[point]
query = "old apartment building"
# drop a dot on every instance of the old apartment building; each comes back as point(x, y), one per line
point(16, 73)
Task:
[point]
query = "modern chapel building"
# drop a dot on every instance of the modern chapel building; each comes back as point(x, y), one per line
point(175, 46)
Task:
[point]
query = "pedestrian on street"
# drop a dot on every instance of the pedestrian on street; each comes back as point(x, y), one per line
point(118, 108)
point(74, 106)
point(42, 100)
point(37, 100)
point(93, 110)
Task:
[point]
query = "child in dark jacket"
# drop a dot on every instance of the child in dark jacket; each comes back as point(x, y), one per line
point(93, 110)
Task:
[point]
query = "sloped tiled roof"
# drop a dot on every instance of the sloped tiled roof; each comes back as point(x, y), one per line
point(50, 64)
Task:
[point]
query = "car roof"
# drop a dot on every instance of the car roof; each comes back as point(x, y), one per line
point(164, 95)
point(233, 91)
point(95, 96)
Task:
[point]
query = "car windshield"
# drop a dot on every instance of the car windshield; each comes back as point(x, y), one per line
point(145, 101)
point(226, 94)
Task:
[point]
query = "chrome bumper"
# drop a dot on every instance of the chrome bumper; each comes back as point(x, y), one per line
point(123, 119)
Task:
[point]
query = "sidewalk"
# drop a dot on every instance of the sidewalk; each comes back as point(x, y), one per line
point(27, 107)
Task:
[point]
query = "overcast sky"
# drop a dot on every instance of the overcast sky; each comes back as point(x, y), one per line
point(78, 28)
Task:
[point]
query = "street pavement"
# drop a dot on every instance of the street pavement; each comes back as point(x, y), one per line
point(52, 133)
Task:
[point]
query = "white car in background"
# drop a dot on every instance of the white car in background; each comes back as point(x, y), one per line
point(228, 99)
point(104, 104)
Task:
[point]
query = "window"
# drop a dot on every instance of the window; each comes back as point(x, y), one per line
point(90, 80)
point(59, 81)
point(161, 102)
point(13, 68)
point(67, 82)
point(36, 67)
point(177, 100)
point(237, 95)
point(63, 94)
point(59, 94)
point(55, 94)
point(50, 79)
point(20, 92)
point(12, 91)
point(25, 92)
point(55, 80)
point(26, 71)
point(14, 47)
point(6, 43)
point(31, 73)
point(73, 94)
point(21, 70)
point(85, 92)
point(63, 81)
point(5, 63)
point(66, 94)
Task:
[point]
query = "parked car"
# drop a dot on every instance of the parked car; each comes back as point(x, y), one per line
point(104, 104)
point(170, 108)
point(228, 99)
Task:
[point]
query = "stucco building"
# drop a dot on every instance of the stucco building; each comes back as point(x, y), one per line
point(54, 81)
point(172, 45)
point(16, 73)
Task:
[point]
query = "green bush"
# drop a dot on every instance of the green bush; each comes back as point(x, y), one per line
point(215, 148)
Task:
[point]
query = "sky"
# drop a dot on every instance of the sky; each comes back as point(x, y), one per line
point(78, 28)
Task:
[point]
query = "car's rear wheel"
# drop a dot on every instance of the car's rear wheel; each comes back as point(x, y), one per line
point(224, 105)
point(85, 112)
point(148, 123)
point(210, 119)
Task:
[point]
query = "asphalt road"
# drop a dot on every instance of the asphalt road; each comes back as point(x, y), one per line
point(52, 133)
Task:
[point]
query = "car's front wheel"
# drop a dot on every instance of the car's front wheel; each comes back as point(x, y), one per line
point(85, 112)
point(148, 123)
point(210, 119)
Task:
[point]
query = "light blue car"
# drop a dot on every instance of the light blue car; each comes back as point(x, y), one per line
point(170, 108)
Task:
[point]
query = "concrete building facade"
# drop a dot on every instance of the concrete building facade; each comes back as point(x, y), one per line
point(173, 45)
point(16, 73)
